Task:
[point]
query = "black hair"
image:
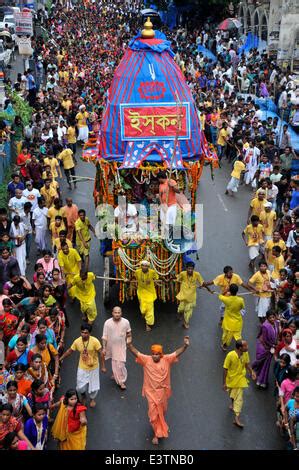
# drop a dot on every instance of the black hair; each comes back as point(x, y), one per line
point(286, 358)
point(68, 394)
point(190, 264)
point(254, 218)
point(296, 390)
point(35, 385)
point(22, 340)
point(25, 327)
point(42, 321)
point(233, 288)
point(292, 373)
point(36, 356)
point(21, 367)
point(38, 265)
point(239, 343)
point(39, 338)
point(8, 440)
point(81, 211)
point(227, 269)
point(47, 252)
point(86, 326)
point(162, 175)
point(27, 205)
point(277, 249)
point(269, 313)
point(12, 383)
point(6, 407)
point(262, 262)
point(39, 407)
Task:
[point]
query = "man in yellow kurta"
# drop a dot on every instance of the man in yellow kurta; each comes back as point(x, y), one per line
point(146, 292)
point(278, 262)
point(82, 288)
point(261, 281)
point(69, 261)
point(253, 236)
point(223, 281)
point(232, 321)
point(189, 281)
point(82, 227)
point(267, 219)
point(234, 377)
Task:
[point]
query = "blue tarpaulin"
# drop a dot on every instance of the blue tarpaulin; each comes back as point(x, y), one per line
point(293, 134)
point(251, 42)
point(172, 14)
point(206, 53)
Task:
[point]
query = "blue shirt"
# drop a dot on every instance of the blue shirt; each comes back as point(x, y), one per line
point(295, 200)
point(11, 188)
point(31, 82)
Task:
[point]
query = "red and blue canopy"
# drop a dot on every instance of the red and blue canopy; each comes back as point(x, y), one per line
point(149, 108)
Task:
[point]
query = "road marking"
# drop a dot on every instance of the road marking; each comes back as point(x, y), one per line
point(222, 202)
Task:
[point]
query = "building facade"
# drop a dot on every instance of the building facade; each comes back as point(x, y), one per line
point(274, 21)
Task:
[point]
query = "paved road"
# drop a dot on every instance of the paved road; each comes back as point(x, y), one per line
point(198, 413)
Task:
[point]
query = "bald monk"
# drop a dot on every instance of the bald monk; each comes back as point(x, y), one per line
point(156, 383)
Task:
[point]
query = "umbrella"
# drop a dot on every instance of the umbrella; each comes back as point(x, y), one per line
point(230, 23)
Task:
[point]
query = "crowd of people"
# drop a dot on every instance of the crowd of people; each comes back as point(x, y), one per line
point(68, 94)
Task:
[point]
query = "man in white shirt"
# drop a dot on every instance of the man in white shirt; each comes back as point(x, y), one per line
point(40, 225)
point(31, 194)
point(126, 215)
point(61, 132)
point(291, 241)
point(16, 204)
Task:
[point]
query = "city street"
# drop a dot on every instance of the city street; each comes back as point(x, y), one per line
point(198, 413)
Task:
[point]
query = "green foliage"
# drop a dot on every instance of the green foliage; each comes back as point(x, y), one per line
point(3, 187)
point(21, 107)
point(48, 5)
point(6, 117)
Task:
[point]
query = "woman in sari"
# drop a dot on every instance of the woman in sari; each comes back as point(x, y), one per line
point(38, 371)
point(48, 263)
point(24, 333)
point(9, 424)
point(281, 368)
point(265, 349)
point(39, 394)
point(70, 425)
point(24, 384)
point(18, 402)
point(48, 353)
point(288, 345)
point(39, 283)
point(20, 355)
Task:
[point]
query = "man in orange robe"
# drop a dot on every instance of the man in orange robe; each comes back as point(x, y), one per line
point(156, 383)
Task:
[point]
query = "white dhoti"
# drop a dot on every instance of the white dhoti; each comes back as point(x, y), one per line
point(253, 251)
point(262, 306)
point(168, 216)
point(88, 381)
point(40, 238)
point(20, 252)
point(233, 184)
point(83, 133)
point(119, 371)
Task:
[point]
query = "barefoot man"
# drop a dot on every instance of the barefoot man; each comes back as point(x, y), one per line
point(115, 332)
point(156, 383)
point(236, 364)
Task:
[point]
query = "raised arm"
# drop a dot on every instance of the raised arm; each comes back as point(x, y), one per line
point(183, 348)
point(131, 347)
